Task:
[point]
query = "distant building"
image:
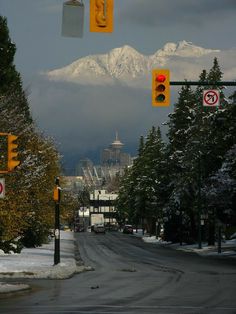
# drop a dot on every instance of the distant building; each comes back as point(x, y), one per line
point(102, 202)
point(113, 156)
point(84, 164)
point(113, 160)
point(73, 183)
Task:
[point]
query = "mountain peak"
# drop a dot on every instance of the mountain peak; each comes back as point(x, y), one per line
point(124, 64)
point(124, 50)
point(183, 49)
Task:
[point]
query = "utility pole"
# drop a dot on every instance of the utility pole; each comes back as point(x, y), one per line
point(199, 204)
point(56, 197)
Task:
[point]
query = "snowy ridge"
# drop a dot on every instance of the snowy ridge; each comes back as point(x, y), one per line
point(124, 65)
point(183, 49)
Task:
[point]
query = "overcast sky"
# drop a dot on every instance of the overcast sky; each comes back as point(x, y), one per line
point(146, 25)
point(35, 27)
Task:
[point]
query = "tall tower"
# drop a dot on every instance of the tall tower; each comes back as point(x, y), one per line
point(116, 147)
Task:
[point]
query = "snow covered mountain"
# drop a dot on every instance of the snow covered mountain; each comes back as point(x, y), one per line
point(125, 65)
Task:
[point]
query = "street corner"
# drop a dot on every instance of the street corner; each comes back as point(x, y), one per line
point(7, 288)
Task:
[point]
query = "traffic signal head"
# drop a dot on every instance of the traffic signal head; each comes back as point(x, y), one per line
point(101, 16)
point(160, 87)
point(12, 152)
point(56, 193)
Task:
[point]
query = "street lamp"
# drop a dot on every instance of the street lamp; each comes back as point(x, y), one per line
point(199, 198)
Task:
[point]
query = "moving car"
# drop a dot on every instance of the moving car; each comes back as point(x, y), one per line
point(128, 229)
point(99, 228)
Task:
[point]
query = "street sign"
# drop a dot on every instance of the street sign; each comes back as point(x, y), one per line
point(211, 98)
point(2, 188)
point(73, 19)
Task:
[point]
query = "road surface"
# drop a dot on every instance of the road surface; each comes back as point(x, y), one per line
point(131, 276)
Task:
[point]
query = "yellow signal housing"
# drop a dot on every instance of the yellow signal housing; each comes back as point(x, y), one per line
point(12, 152)
point(101, 16)
point(56, 193)
point(161, 87)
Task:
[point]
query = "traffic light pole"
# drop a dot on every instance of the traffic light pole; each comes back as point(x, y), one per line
point(229, 83)
point(57, 225)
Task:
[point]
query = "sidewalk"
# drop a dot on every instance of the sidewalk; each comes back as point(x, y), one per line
point(39, 263)
point(228, 248)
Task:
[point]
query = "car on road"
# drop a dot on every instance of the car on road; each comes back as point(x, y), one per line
point(99, 228)
point(128, 229)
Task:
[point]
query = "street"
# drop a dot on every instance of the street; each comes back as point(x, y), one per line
point(130, 276)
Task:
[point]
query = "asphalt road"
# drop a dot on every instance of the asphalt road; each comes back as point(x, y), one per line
point(131, 276)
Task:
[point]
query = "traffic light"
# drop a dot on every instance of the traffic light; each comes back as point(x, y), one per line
point(56, 193)
point(101, 16)
point(12, 152)
point(3, 152)
point(160, 87)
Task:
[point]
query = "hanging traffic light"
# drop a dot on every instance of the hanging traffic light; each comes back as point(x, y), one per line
point(160, 87)
point(101, 16)
point(12, 152)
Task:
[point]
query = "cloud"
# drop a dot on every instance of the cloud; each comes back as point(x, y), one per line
point(84, 118)
point(182, 12)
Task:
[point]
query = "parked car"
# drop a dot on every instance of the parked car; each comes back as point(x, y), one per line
point(79, 228)
point(64, 227)
point(99, 228)
point(128, 229)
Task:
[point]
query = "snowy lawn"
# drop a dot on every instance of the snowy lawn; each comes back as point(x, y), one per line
point(39, 263)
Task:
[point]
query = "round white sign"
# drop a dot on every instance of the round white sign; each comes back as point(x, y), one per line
point(211, 98)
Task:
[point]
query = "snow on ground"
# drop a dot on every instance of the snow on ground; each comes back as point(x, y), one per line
point(39, 263)
point(228, 248)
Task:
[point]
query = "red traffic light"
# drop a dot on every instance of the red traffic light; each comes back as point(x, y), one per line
point(160, 87)
point(161, 78)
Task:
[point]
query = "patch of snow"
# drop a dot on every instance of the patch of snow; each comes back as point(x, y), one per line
point(9, 288)
point(39, 263)
point(228, 247)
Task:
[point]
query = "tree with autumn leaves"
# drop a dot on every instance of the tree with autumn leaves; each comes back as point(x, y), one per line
point(27, 211)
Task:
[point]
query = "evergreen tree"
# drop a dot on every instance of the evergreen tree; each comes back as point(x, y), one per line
point(183, 185)
point(26, 211)
point(10, 81)
point(212, 138)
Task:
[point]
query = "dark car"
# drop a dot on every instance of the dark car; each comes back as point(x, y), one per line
point(128, 229)
point(99, 228)
point(79, 228)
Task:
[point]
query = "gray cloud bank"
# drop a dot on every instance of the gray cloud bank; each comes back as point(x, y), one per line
point(84, 118)
point(181, 12)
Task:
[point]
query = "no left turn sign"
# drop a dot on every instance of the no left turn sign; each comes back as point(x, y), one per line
point(211, 98)
point(2, 188)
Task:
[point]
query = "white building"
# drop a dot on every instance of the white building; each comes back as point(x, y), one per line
point(103, 202)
